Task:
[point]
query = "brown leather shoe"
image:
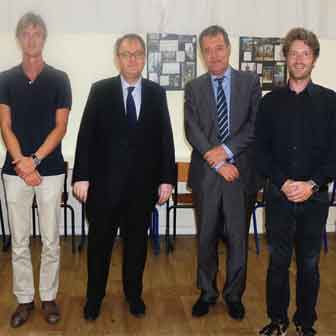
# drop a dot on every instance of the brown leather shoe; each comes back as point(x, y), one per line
point(51, 311)
point(21, 314)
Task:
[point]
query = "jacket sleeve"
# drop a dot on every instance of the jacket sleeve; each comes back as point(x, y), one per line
point(327, 170)
point(81, 171)
point(245, 136)
point(193, 131)
point(168, 169)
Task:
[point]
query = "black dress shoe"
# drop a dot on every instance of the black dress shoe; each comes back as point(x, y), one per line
point(91, 310)
point(201, 307)
point(21, 314)
point(236, 310)
point(137, 307)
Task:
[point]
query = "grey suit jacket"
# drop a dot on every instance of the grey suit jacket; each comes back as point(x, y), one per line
point(202, 131)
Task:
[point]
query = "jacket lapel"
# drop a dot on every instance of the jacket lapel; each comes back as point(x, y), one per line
point(144, 97)
point(210, 98)
point(234, 100)
point(120, 98)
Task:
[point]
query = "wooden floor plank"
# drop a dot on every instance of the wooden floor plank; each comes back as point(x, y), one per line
point(169, 292)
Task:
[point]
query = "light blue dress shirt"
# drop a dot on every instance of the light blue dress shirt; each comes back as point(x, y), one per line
point(227, 91)
point(136, 93)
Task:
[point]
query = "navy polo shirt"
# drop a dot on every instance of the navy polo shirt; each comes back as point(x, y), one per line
point(33, 106)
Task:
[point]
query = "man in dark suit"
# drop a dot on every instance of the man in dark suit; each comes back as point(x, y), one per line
point(124, 165)
point(220, 110)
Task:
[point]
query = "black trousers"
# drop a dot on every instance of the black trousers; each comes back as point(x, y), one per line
point(133, 222)
point(292, 226)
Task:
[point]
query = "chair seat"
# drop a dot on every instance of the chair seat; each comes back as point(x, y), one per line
point(180, 200)
point(260, 197)
point(185, 198)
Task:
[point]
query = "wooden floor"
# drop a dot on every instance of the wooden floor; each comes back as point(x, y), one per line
point(169, 292)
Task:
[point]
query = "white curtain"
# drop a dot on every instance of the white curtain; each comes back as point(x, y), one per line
point(239, 17)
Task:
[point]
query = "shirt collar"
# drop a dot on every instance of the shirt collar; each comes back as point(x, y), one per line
point(125, 85)
point(226, 74)
point(310, 88)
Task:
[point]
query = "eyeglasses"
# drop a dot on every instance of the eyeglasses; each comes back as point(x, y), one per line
point(138, 55)
point(303, 54)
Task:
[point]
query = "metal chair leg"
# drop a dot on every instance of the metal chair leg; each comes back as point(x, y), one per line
point(325, 240)
point(73, 233)
point(82, 240)
point(2, 226)
point(65, 219)
point(6, 241)
point(167, 239)
point(255, 230)
point(154, 231)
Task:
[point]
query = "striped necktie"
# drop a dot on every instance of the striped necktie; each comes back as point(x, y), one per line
point(130, 108)
point(222, 111)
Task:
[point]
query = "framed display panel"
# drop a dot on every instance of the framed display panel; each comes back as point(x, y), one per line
point(171, 59)
point(263, 56)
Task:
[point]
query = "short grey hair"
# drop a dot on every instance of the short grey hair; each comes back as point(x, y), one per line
point(33, 19)
point(213, 31)
point(129, 37)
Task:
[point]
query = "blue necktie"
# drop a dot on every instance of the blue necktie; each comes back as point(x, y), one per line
point(130, 108)
point(222, 112)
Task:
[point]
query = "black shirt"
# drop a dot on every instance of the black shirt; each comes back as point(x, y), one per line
point(33, 106)
point(296, 135)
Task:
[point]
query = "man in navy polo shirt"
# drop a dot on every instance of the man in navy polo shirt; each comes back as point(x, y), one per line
point(35, 100)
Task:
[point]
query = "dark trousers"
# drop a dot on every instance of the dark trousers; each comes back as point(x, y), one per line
point(103, 226)
point(221, 210)
point(296, 226)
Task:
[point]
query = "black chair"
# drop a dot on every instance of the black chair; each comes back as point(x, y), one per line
point(179, 201)
point(154, 231)
point(64, 204)
point(83, 234)
point(332, 203)
point(6, 241)
point(3, 231)
point(260, 203)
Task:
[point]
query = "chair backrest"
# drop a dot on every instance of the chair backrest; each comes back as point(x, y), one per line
point(65, 195)
point(182, 171)
point(332, 194)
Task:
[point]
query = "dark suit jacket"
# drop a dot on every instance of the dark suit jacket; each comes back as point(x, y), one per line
point(119, 162)
point(202, 130)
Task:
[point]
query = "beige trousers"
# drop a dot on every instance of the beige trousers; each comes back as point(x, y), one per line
point(19, 198)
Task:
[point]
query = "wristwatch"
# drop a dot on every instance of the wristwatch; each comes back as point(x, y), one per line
point(314, 186)
point(36, 160)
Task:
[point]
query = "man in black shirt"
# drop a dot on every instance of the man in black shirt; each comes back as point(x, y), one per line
point(296, 151)
point(35, 100)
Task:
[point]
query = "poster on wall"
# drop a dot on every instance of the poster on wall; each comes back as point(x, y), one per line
point(263, 56)
point(171, 59)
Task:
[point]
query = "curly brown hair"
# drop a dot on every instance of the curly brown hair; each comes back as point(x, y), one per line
point(302, 34)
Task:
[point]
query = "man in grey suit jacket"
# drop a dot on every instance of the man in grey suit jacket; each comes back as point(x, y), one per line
point(220, 111)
